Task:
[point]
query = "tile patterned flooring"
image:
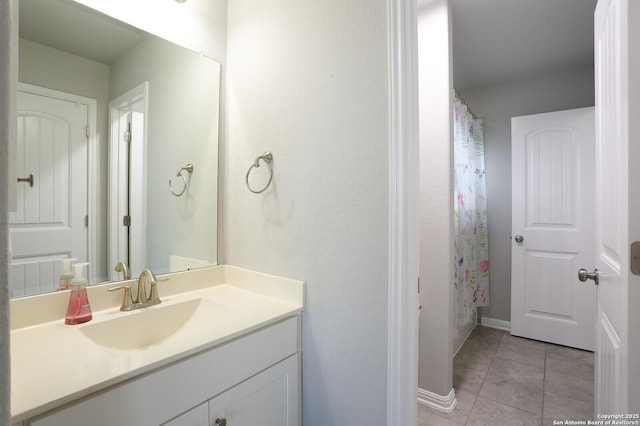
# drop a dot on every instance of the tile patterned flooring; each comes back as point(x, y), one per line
point(504, 380)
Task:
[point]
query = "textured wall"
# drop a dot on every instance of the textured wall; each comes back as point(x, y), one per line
point(308, 81)
point(7, 103)
point(496, 105)
point(435, 369)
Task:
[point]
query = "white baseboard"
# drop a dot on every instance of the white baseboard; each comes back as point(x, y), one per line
point(446, 404)
point(496, 323)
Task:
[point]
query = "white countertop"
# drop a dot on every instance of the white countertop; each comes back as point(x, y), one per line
point(53, 363)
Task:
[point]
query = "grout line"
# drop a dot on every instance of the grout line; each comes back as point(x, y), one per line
point(502, 402)
point(493, 355)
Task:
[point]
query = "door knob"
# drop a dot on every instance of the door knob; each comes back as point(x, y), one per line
point(519, 239)
point(583, 275)
point(221, 422)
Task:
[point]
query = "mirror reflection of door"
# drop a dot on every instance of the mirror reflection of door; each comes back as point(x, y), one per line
point(127, 241)
point(51, 218)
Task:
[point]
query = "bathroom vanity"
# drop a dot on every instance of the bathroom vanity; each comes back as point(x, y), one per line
point(223, 347)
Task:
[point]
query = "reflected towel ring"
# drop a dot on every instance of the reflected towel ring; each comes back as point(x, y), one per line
point(188, 168)
point(267, 157)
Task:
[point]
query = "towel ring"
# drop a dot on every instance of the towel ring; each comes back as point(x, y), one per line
point(188, 168)
point(267, 157)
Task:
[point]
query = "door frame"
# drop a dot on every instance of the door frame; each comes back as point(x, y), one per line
point(404, 169)
point(117, 106)
point(92, 164)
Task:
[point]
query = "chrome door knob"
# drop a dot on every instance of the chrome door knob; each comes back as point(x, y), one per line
point(584, 275)
point(519, 239)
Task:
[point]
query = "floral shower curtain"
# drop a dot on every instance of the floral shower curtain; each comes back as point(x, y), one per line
point(470, 210)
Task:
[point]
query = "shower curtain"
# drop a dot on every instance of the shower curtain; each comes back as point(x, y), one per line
point(470, 211)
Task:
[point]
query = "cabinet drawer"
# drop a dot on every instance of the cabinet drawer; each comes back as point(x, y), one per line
point(159, 396)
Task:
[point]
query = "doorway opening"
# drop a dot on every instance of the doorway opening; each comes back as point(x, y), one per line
point(127, 171)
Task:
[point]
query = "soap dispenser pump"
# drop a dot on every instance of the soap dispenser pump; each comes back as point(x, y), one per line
point(66, 276)
point(79, 310)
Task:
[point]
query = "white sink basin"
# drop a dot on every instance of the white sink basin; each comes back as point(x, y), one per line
point(151, 326)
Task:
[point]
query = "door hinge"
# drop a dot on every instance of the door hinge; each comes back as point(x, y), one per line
point(127, 133)
point(635, 258)
point(88, 131)
point(126, 220)
point(86, 221)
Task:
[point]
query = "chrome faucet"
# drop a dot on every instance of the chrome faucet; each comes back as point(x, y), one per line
point(122, 267)
point(143, 298)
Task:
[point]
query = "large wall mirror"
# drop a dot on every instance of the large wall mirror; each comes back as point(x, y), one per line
point(117, 149)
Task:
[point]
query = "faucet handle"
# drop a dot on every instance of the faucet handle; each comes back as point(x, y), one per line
point(154, 298)
point(127, 301)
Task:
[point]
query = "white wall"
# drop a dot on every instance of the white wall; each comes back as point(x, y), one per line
point(8, 80)
point(308, 81)
point(496, 105)
point(435, 369)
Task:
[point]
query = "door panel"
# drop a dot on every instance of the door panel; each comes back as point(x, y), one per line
point(617, 63)
point(269, 398)
point(49, 223)
point(552, 169)
point(549, 291)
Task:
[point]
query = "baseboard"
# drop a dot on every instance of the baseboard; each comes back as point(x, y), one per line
point(496, 323)
point(455, 352)
point(446, 404)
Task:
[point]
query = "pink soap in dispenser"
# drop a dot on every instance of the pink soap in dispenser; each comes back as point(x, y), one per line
point(79, 310)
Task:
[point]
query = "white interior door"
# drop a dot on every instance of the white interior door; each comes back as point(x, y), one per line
point(552, 224)
point(49, 223)
point(617, 205)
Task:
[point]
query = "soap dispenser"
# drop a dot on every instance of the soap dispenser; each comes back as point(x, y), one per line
point(66, 276)
point(79, 310)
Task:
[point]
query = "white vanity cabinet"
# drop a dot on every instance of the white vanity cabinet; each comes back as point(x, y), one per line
point(250, 380)
point(269, 398)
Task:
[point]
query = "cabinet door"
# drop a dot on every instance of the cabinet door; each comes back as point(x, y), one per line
point(270, 398)
point(198, 416)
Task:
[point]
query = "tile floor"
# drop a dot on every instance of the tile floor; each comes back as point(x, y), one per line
point(504, 380)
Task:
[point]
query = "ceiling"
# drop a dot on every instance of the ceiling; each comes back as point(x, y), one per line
point(74, 28)
point(496, 41)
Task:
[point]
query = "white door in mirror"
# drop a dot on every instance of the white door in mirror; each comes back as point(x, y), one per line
point(49, 223)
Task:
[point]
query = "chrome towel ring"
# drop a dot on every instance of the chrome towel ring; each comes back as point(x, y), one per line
point(188, 168)
point(267, 157)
